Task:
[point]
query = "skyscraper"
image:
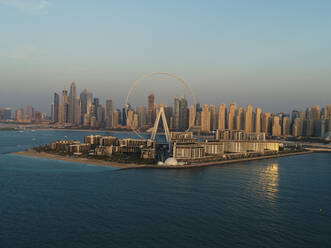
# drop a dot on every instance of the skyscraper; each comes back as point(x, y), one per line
point(96, 103)
point(29, 112)
point(86, 120)
point(240, 119)
point(100, 115)
point(123, 120)
point(85, 103)
point(297, 127)
point(232, 115)
point(129, 120)
point(5, 113)
point(116, 118)
point(266, 122)
point(20, 115)
point(286, 126)
point(109, 113)
point(316, 114)
point(213, 117)
point(64, 107)
point(222, 116)
point(176, 114)
point(168, 111)
point(257, 122)
point(72, 103)
point(205, 119)
point(312, 124)
point(135, 121)
point(276, 127)
point(77, 111)
point(192, 112)
point(249, 119)
point(93, 122)
point(142, 116)
point(56, 108)
point(183, 114)
point(328, 111)
point(295, 114)
point(151, 109)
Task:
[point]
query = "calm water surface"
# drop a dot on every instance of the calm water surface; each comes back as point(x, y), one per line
point(282, 202)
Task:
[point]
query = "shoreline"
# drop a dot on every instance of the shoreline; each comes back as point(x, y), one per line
point(124, 166)
point(221, 162)
point(99, 162)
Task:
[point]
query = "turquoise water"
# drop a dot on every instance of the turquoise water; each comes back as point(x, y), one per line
point(282, 202)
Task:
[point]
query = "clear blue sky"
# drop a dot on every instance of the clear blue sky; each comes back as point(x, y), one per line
point(275, 54)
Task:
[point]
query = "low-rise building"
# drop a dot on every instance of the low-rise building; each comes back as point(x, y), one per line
point(188, 152)
point(148, 153)
point(109, 141)
point(79, 148)
point(214, 148)
point(185, 147)
point(109, 146)
point(62, 145)
point(93, 140)
point(250, 146)
point(239, 135)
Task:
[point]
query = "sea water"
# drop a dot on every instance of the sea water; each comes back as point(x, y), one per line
point(283, 202)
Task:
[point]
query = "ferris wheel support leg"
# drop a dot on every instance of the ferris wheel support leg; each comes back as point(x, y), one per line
point(165, 125)
point(156, 124)
point(161, 114)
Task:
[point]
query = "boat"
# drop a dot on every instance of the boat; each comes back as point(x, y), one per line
point(22, 130)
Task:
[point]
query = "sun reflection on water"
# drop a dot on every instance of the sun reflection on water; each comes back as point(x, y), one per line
point(269, 181)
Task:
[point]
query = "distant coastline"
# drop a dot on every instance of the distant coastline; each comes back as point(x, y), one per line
point(33, 153)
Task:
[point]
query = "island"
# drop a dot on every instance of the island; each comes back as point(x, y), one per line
point(182, 150)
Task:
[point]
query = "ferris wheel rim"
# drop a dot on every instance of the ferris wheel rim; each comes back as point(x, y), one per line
point(148, 75)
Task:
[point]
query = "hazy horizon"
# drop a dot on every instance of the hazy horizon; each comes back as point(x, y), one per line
point(275, 55)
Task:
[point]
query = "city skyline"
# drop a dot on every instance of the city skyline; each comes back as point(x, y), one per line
point(85, 110)
point(276, 55)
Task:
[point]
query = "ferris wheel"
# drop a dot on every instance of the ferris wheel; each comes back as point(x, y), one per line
point(161, 114)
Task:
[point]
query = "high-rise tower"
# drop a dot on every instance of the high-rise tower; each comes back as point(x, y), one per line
point(231, 116)
point(151, 109)
point(85, 103)
point(64, 108)
point(240, 119)
point(72, 103)
point(192, 113)
point(56, 108)
point(222, 117)
point(109, 115)
point(176, 113)
point(257, 122)
point(276, 127)
point(266, 122)
point(205, 119)
point(249, 119)
point(183, 114)
point(213, 117)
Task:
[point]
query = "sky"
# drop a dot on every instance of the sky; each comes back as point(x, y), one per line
point(273, 54)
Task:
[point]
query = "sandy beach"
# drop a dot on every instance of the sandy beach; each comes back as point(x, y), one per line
point(33, 153)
